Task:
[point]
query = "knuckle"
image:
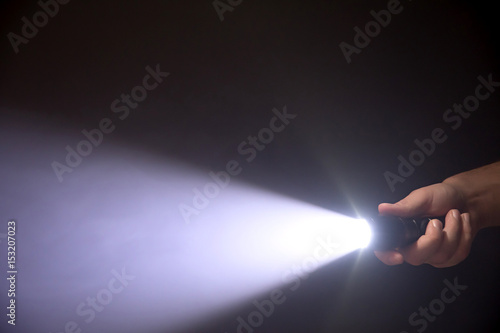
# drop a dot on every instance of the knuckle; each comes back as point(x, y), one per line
point(442, 258)
point(443, 265)
point(439, 260)
point(414, 261)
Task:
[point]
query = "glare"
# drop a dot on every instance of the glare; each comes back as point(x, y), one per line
point(346, 234)
point(360, 234)
point(120, 211)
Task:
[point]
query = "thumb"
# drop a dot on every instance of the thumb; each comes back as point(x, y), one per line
point(417, 203)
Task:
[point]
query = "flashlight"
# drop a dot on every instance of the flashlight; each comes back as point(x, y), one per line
point(390, 232)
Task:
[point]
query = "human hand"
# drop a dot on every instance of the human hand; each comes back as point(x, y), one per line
point(439, 247)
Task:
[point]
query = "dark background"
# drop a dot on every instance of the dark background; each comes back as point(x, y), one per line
point(353, 120)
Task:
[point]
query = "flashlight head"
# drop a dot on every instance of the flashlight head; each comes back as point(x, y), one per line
point(391, 232)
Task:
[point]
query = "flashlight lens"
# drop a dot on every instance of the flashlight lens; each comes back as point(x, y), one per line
point(365, 234)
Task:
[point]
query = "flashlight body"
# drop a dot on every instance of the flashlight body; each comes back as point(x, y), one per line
point(391, 232)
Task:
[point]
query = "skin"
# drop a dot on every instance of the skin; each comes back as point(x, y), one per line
point(470, 200)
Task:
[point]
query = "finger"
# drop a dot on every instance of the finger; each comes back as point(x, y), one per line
point(415, 204)
point(452, 235)
point(464, 246)
point(420, 251)
point(390, 257)
point(432, 200)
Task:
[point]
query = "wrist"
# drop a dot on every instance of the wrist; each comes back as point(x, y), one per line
point(479, 190)
point(466, 194)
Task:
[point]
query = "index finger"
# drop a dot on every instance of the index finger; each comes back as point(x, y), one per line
point(390, 258)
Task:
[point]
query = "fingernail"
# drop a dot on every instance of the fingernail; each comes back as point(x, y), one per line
point(436, 224)
point(456, 214)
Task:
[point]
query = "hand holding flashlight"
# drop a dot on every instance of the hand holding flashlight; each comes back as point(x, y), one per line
point(475, 193)
point(439, 247)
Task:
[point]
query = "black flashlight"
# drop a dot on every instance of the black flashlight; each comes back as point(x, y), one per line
point(390, 232)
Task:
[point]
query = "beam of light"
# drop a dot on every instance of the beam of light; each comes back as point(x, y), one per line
point(119, 209)
point(300, 233)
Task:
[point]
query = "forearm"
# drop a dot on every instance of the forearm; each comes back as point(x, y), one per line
point(480, 190)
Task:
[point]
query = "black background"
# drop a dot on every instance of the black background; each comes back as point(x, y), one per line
point(353, 120)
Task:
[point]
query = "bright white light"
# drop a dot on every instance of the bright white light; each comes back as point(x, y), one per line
point(342, 233)
point(120, 211)
point(358, 234)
